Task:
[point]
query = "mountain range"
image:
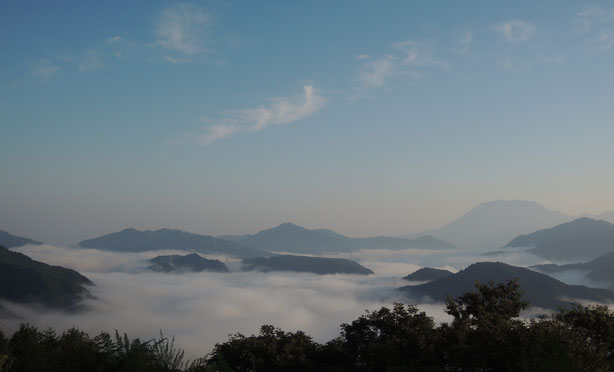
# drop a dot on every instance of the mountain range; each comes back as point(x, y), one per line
point(25, 280)
point(583, 238)
point(538, 289)
point(291, 238)
point(131, 240)
point(490, 225)
point(306, 264)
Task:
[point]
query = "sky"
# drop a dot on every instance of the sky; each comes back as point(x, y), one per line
point(365, 117)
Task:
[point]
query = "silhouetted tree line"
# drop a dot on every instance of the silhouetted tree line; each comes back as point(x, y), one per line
point(484, 335)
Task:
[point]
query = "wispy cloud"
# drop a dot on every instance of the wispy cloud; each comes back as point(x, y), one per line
point(44, 70)
point(515, 31)
point(114, 39)
point(90, 62)
point(279, 111)
point(598, 25)
point(462, 46)
point(180, 30)
point(407, 58)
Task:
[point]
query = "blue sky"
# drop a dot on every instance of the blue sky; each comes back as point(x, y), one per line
point(365, 117)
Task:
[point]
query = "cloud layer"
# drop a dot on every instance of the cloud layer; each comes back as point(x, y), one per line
point(201, 309)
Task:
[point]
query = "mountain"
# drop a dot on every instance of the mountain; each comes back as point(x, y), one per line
point(191, 262)
point(490, 225)
point(131, 240)
point(10, 241)
point(583, 238)
point(428, 273)
point(27, 281)
point(539, 289)
point(598, 270)
point(289, 237)
point(305, 264)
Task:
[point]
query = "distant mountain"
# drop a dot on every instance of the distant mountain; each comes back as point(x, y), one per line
point(316, 265)
point(539, 289)
point(291, 238)
point(10, 241)
point(600, 270)
point(191, 262)
point(428, 273)
point(583, 238)
point(490, 225)
point(27, 281)
point(131, 240)
point(385, 242)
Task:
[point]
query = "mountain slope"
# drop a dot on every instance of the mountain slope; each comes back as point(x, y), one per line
point(428, 273)
point(539, 289)
point(24, 280)
point(288, 237)
point(10, 241)
point(191, 262)
point(583, 238)
point(599, 270)
point(316, 265)
point(131, 240)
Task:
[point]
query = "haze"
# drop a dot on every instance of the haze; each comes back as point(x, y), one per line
point(366, 118)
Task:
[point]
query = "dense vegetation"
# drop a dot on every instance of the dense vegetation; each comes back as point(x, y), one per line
point(306, 264)
point(484, 335)
point(191, 262)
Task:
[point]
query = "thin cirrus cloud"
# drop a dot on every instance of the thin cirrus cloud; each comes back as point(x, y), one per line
point(280, 111)
point(462, 46)
point(45, 70)
point(180, 31)
point(515, 31)
point(598, 25)
point(407, 58)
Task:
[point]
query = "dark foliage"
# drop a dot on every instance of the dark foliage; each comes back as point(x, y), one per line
point(484, 335)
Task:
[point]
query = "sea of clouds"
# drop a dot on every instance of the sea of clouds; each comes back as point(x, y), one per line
point(200, 309)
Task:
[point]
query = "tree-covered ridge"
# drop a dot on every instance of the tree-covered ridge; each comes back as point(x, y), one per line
point(306, 264)
point(428, 273)
point(23, 279)
point(191, 262)
point(485, 334)
point(539, 289)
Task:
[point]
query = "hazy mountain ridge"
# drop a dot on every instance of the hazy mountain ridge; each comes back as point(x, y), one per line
point(10, 241)
point(289, 237)
point(583, 238)
point(191, 262)
point(490, 225)
point(132, 240)
point(25, 280)
point(539, 289)
point(599, 270)
point(316, 265)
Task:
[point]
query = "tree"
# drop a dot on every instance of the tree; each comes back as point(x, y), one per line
point(485, 334)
